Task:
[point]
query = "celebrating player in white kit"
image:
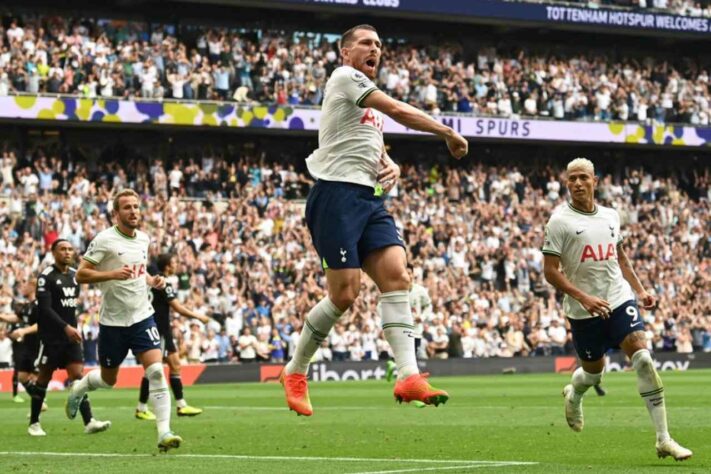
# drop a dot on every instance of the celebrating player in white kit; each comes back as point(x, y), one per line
point(349, 225)
point(116, 260)
point(597, 278)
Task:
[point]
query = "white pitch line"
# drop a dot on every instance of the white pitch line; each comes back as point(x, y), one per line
point(446, 468)
point(266, 458)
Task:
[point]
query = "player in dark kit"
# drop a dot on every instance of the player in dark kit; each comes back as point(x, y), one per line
point(60, 341)
point(23, 332)
point(163, 301)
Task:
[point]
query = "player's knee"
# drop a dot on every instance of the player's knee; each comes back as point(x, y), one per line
point(395, 279)
point(344, 296)
point(403, 280)
point(642, 361)
point(344, 300)
point(594, 378)
point(109, 379)
point(154, 373)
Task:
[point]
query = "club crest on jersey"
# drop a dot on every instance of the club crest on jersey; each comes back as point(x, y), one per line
point(598, 254)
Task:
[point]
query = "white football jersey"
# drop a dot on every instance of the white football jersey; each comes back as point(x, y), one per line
point(125, 302)
point(350, 138)
point(587, 246)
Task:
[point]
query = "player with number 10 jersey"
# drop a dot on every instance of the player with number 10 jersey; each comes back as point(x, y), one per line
point(125, 302)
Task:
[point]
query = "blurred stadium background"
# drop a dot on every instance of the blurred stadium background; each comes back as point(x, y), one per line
point(209, 107)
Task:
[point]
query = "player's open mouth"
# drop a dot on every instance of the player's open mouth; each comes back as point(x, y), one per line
point(371, 63)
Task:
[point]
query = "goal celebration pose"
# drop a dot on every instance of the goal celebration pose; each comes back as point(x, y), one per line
point(348, 222)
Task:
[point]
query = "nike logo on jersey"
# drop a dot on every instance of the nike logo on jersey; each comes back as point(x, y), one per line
point(120, 253)
point(578, 232)
point(633, 325)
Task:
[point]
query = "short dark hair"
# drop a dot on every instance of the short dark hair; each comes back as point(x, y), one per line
point(347, 37)
point(163, 261)
point(57, 242)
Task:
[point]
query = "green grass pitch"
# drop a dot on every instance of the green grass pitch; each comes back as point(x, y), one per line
point(505, 423)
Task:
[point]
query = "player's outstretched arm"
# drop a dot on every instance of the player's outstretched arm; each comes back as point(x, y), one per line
point(592, 304)
point(416, 119)
point(648, 301)
point(87, 273)
point(178, 307)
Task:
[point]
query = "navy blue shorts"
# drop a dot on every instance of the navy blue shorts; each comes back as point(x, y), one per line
point(347, 222)
point(595, 336)
point(115, 341)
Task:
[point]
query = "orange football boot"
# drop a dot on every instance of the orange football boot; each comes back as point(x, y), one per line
point(417, 388)
point(297, 393)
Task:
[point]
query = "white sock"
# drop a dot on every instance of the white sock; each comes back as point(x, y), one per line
point(158, 390)
point(399, 331)
point(181, 403)
point(317, 325)
point(651, 390)
point(582, 381)
point(91, 382)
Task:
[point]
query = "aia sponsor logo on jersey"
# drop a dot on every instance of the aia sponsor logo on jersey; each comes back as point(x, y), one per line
point(372, 118)
point(598, 253)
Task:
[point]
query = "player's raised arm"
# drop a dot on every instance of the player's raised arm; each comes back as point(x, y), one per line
point(87, 273)
point(416, 119)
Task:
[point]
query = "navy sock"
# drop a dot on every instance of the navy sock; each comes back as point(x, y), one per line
point(37, 401)
point(176, 384)
point(85, 410)
point(143, 396)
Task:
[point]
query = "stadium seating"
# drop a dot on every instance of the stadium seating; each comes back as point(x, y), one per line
point(473, 236)
point(104, 58)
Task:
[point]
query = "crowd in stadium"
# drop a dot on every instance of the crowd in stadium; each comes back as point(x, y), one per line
point(697, 8)
point(472, 234)
point(102, 58)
